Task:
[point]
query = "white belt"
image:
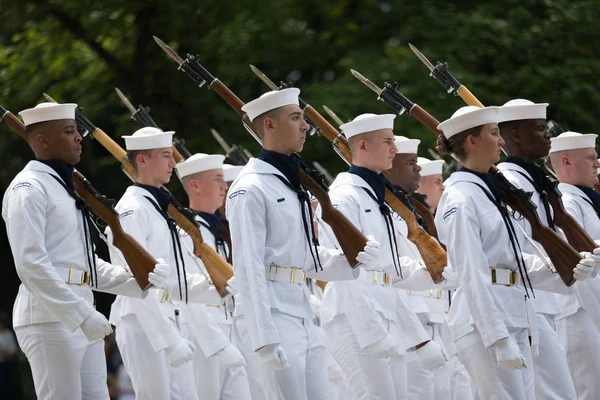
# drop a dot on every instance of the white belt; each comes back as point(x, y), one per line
point(504, 277)
point(379, 278)
point(431, 293)
point(74, 276)
point(275, 273)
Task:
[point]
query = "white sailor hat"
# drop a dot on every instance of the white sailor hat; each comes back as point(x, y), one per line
point(270, 101)
point(231, 171)
point(520, 109)
point(430, 167)
point(48, 112)
point(572, 141)
point(148, 138)
point(406, 145)
point(367, 123)
point(199, 162)
point(468, 117)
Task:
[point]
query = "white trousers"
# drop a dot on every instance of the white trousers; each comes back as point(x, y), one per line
point(213, 380)
point(306, 376)
point(256, 391)
point(152, 376)
point(368, 377)
point(552, 378)
point(64, 364)
point(461, 386)
point(428, 385)
point(581, 340)
point(492, 381)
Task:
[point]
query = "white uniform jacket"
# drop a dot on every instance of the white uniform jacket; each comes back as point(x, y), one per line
point(587, 292)
point(474, 233)
point(203, 318)
point(546, 303)
point(266, 228)
point(360, 300)
point(141, 220)
point(45, 231)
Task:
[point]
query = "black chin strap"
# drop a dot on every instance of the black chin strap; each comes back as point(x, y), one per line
point(307, 218)
point(177, 252)
point(87, 222)
point(389, 224)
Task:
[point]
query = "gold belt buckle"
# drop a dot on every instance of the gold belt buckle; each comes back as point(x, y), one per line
point(375, 277)
point(85, 278)
point(293, 276)
point(269, 274)
point(514, 278)
point(435, 293)
point(165, 296)
point(387, 279)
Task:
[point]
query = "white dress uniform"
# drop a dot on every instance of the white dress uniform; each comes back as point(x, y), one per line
point(356, 314)
point(46, 235)
point(269, 243)
point(209, 327)
point(579, 325)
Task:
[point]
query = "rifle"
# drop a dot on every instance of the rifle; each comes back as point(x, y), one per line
point(236, 154)
point(351, 240)
point(419, 207)
point(433, 254)
point(143, 118)
point(218, 269)
point(563, 256)
point(139, 260)
point(575, 234)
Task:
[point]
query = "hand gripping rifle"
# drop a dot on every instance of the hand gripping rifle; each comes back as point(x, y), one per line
point(563, 256)
point(431, 251)
point(218, 269)
point(140, 262)
point(419, 207)
point(351, 240)
point(141, 115)
point(576, 235)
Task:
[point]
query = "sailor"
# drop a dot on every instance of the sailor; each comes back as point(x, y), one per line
point(49, 231)
point(431, 185)
point(218, 365)
point(368, 324)
point(274, 248)
point(527, 140)
point(155, 353)
point(574, 160)
point(488, 318)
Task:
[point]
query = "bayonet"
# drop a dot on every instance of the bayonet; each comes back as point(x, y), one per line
point(264, 78)
point(333, 116)
point(221, 141)
point(237, 154)
point(125, 101)
point(169, 51)
point(389, 94)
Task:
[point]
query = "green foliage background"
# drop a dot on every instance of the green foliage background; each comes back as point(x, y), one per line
point(78, 51)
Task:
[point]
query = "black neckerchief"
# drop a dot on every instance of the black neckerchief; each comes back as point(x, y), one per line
point(593, 196)
point(421, 198)
point(161, 199)
point(496, 198)
point(289, 166)
point(537, 180)
point(66, 174)
point(377, 183)
point(160, 194)
point(410, 198)
point(213, 224)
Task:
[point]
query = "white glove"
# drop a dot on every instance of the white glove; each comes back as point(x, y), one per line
point(273, 356)
point(232, 286)
point(585, 267)
point(450, 274)
point(368, 257)
point(431, 356)
point(508, 354)
point(335, 374)
point(231, 357)
point(180, 353)
point(385, 348)
point(158, 277)
point(96, 326)
point(596, 255)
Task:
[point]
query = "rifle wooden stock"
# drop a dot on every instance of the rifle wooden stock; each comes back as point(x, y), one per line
point(139, 260)
point(426, 214)
point(433, 254)
point(218, 269)
point(576, 235)
point(351, 240)
point(563, 256)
